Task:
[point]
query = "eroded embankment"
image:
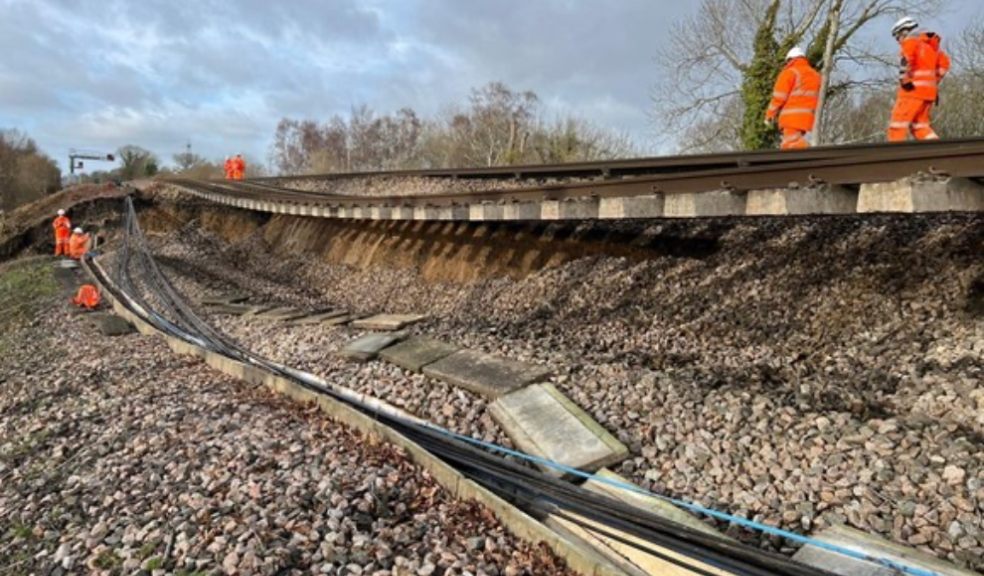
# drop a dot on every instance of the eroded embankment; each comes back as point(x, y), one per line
point(801, 371)
point(27, 229)
point(443, 251)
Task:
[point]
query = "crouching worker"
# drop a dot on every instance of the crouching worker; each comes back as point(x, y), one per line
point(78, 244)
point(88, 297)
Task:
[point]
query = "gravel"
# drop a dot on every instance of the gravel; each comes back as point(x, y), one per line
point(415, 185)
point(804, 372)
point(119, 456)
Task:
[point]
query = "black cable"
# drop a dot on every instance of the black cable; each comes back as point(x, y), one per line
point(530, 488)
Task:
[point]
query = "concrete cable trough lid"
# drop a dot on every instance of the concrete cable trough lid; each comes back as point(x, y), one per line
point(485, 374)
point(415, 353)
point(227, 299)
point(279, 313)
point(543, 422)
point(235, 309)
point(317, 318)
point(367, 347)
point(388, 321)
point(840, 535)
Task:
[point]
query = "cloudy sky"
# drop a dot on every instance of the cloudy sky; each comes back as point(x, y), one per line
point(100, 74)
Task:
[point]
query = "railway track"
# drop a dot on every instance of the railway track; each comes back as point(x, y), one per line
point(637, 166)
point(137, 273)
point(909, 178)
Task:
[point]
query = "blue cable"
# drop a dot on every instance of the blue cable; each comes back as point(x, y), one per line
point(751, 524)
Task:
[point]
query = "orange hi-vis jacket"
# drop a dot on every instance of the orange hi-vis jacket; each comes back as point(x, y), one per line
point(238, 168)
point(87, 297)
point(78, 245)
point(228, 169)
point(795, 96)
point(63, 227)
point(922, 66)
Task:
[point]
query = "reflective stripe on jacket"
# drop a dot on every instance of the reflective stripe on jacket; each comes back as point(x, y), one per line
point(923, 64)
point(795, 96)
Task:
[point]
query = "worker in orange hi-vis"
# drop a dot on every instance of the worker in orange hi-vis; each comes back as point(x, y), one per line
point(78, 244)
point(228, 168)
point(63, 229)
point(794, 100)
point(238, 167)
point(923, 65)
point(87, 297)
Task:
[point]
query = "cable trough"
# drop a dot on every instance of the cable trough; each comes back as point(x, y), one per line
point(529, 489)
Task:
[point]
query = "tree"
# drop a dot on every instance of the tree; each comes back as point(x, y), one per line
point(498, 127)
point(725, 59)
point(187, 161)
point(136, 162)
point(26, 174)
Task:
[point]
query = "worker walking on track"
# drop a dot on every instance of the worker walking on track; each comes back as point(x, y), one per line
point(238, 167)
point(923, 65)
point(794, 100)
point(63, 229)
point(78, 244)
point(228, 168)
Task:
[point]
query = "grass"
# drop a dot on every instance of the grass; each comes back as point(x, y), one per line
point(108, 560)
point(21, 531)
point(24, 447)
point(25, 287)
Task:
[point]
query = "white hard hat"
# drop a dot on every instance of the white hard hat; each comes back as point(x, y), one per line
point(77, 230)
point(795, 52)
point(61, 212)
point(904, 24)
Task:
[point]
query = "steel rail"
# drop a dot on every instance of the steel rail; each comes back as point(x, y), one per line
point(530, 488)
point(639, 166)
point(886, 164)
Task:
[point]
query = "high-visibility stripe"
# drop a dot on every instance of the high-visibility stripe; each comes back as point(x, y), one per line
point(780, 94)
point(927, 83)
point(919, 73)
point(786, 111)
point(805, 93)
point(899, 124)
point(920, 125)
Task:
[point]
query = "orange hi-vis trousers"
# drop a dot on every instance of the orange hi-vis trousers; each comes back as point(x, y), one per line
point(61, 246)
point(911, 114)
point(793, 139)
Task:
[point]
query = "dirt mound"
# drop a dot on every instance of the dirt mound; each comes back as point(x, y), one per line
point(28, 227)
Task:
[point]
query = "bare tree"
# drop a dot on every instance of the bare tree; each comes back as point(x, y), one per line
point(26, 174)
point(187, 161)
point(730, 51)
point(499, 126)
point(136, 162)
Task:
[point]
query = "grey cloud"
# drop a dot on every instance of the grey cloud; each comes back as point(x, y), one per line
point(156, 72)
